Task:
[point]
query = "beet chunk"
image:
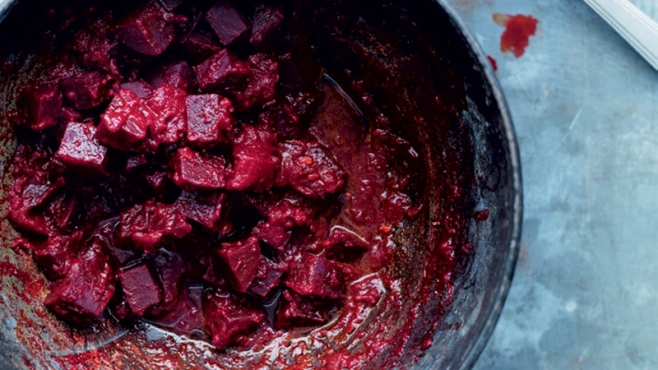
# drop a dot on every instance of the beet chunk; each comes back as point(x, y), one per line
point(125, 122)
point(147, 224)
point(178, 74)
point(85, 291)
point(261, 86)
point(241, 259)
point(295, 310)
point(267, 24)
point(267, 278)
point(62, 209)
point(170, 268)
point(309, 169)
point(211, 211)
point(209, 120)
point(85, 90)
point(79, 147)
point(342, 243)
point(227, 22)
point(228, 316)
point(55, 255)
point(41, 106)
point(222, 70)
point(140, 289)
point(148, 30)
point(169, 105)
point(281, 219)
point(27, 194)
point(142, 89)
point(256, 160)
point(311, 275)
point(94, 49)
point(200, 46)
point(192, 170)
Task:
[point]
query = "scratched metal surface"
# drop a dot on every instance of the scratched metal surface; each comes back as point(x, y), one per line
point(585, 107)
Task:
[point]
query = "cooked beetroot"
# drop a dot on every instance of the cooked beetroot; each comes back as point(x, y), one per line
point(94, 49)
point(256, 160)
point(148, 30)
point(125, 122)
point(146, 225)
point(209, 120)
point(178, 74)
point(261, 85)
point(26, 195)
point(295, 310)
point(267, 24)
point(242, 259)
point(55, 255)
point(142, 89)
point(170, 268)
point(210, 210)
point(192, 170)
point(227, 22)
point(201, 45)
point(281, 219)
point(168, 103)
point(85, 291)
point(140, 288)
point(343, 242)
point(309, 169)
point(62, 209)
point(311, 275)
point(41, 106)
point(222, 70)
point(267, 278)
point(228, 316)
point(85, 90)
point(79, 147)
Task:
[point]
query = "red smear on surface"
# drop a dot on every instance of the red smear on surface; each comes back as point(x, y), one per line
point(518, 29)
point(493, 62)
point(481, 216)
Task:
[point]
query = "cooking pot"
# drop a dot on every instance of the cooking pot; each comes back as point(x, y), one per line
point(430, 77)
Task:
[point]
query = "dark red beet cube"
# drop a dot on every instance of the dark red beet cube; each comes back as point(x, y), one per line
point(201, 45)
point(170, 268)
point(142, 89)
point(94, 49)
point(41, 106)
point(184, 315)
point(79, 147)
point(140, 289)
point(55, 255)
point(85, 90)
point(228, 316)
point(178, 74)
point(267, 24)
point(311, 275)
point(295, 310)
point(281, 219)
point(261, 86)
point(148, 30)
point(26, 195)
point(241, 260)
point(211, 210)
point(135, 160)
point(147, 224)
point(267, 278)
point(256, 160)
point(169, 105)
point(62, 209)
point(192, 170)
point(69, 115)
point(227, 22)
point(85, 291)
point(222, 70)
point(125, 122)
point(209, 120)
point(309, 169)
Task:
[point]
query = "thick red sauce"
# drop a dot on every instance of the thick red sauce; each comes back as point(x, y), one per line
point(518, 29)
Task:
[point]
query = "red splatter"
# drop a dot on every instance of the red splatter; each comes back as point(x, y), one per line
point(493, 62)
point(481, 216)
point(518, 29)
point(8, 269)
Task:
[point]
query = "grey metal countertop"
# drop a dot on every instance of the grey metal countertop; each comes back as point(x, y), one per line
point(585, 107)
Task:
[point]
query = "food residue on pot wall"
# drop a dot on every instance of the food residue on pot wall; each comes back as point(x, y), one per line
point(518, 29)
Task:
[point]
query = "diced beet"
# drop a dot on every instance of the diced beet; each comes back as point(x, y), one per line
point(227, 22)
point(295, 310)
point(343, 243)
point(311, 275)
point(212, 274)
point(281, 219)
point(140, 288)
point(55, 255)
point(267, 278)
point(185, 315)
point(85, 291)
point(309, 169)
point(200, 46)
point(211, 210)
point(228, 316)
point(147, 224)
point(170, 268)
point(41, 106)
point(171, 5)
point(222, 70)
point(241, 260)
point(148, 30)
point(192, 170)
point(209, 120)
point(158, 182)
point(267, 24)
point(120, 308)
point(256, 160)
point(28, 193)
point(125, 122)
point(94, 49)
point(169, 105)
point(86, 90)
point(142, 89)
point(69, 115)
point(289, 75)
point(261, 86)
point(79, 147)
point(62, 209)
point(135, 160)
point(178, 74)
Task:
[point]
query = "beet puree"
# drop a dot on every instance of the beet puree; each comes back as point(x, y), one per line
point(190, 168)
